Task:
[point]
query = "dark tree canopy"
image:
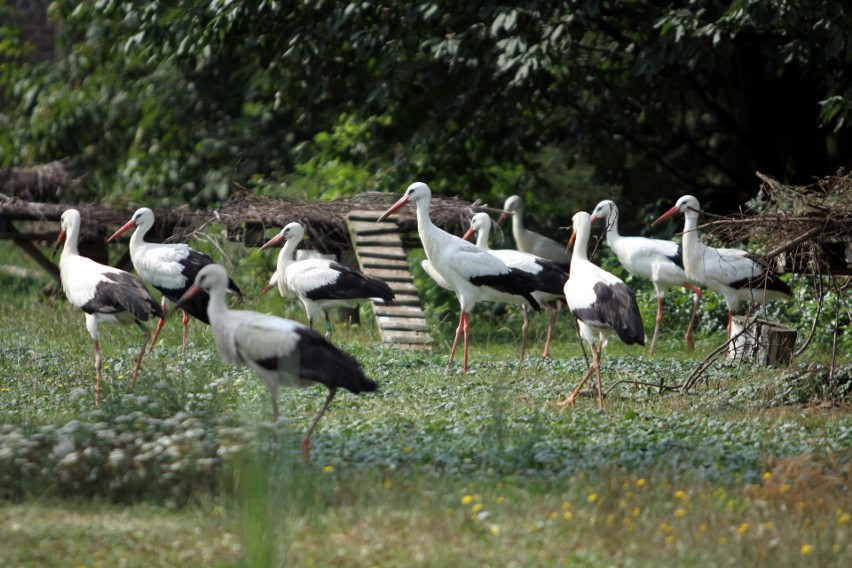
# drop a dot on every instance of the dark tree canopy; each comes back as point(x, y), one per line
point(567, 102)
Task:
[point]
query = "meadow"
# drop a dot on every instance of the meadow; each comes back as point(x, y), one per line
point(439, 468)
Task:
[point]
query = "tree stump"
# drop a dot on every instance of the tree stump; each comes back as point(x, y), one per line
point(763, 342)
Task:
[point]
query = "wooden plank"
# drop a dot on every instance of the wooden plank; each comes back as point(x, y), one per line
point(384, 253)
point(405, 288)
point(402, 324)
point(373, 227)
point(407, 337)
point(383, 239)
point(383, 263)
point(389, 275)
point(399, 311)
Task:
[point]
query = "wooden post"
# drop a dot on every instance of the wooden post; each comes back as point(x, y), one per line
point(763, 342)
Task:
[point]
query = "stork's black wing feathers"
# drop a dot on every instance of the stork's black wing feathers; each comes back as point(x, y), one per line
point(123, 292)
point(351, 285)
point(516, 282)
point(615, 306)
point(322, 362)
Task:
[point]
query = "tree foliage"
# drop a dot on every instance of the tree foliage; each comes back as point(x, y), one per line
point(562, 100)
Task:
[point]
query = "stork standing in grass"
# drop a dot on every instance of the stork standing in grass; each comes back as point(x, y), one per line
point(529, 241)
point(170, 268)
point(105, 294)
point(322, 284)
point(601, 302)
point(550, 275)
point(736, 274)
point(659, 261)
point(472, 273)
point(282, 352)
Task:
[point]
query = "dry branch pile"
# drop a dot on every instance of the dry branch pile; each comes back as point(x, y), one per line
point(808, 228)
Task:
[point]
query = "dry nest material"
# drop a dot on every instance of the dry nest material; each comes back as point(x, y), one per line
point(796, 221)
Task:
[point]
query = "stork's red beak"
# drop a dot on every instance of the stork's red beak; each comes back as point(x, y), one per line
point(503, 216)
point(124, 228)
point(193, 291)
point(670, 213)
point(273, 241)
point(59, 240)
point(393, 208)
point(592, 219)
point(469, 234)
point(572, 239)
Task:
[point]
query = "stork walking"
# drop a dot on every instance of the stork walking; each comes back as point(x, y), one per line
point(601, 302)
point(472, 273)
point(550, 275)
point(280, 351)
point(105, 294)
point(169, 267)
point(735, 274)
point(659, 261)
point(529, 241)
point(322, 284)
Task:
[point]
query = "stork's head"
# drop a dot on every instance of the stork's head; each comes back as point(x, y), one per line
point(478, 223)
point(416, 192)
point(688, 205)
point(143, 217)
point(603, 210)
point(513, 205)
point(211, 277)
point(291, 232)
point(70, 218)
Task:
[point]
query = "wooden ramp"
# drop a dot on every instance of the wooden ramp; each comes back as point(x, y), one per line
point(379, 250)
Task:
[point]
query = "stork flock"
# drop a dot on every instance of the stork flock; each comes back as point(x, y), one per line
point(540, 274)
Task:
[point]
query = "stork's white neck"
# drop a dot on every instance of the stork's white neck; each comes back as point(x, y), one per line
point(425, 226)
point(217, 307)
point(137, 239)
point(286, 256)
point(482, 238)
point(690, 233)
point(581, 243)
point(612, 234)
point(72, 235)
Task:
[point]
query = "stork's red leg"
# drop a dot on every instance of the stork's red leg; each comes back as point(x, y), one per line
point(306, 441)
point(657, 324)
point(185, 323)
point(698, 293)
point(524, 331)
point(98, 366)
point(160, 325)
point(466, 329)
point(570, 399)
point(554, 311)
point(456, 340)
point(597, 364)
point(139, 358)
point(730, 320)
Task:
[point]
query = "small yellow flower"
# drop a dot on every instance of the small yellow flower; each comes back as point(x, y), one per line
point(768, 525)
point(844, 518)
point(387, 484)
point(835, 548)
point(466, 500)
point(476, 508)
point(767, 476)
point(567, 516)
point(328, 469)
point(666, 528)
point(553, 516)
point(641, 482)
point(566, 505)
point(636, 511)
point(743, 528)
point(669, 539)
point(680, 513)
point(722, 541)
point(4, 389)
point(806, 549)
point(494, 529)
point(406, 450)
point(500, 500)
point(702, 528)
point(592, 498)
point(681, 495)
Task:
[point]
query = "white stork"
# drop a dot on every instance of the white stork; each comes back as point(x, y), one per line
point(105, 294)
point(658, 260)
point(736, 274)
point(170, 268)
point(530, 241)
point(601, 302)
point(281, 351)
point(471, 272)
point(322, 284)
point(551, 276)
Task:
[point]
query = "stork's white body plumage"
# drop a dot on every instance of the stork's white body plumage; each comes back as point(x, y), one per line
point(471, 272)
point(529, 241)
point(737, 275)
point(169, 267)
point(657, 260)
point(322, 284)
point(551, 276)
point(105, 294)
point(280, 351)
point(600, 301)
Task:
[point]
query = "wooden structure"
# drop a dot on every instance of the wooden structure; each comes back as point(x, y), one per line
point(762, 342)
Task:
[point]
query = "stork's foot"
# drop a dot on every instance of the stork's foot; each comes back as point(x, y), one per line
point(569, 401)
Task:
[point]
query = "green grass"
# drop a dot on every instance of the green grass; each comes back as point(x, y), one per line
point(439, 468)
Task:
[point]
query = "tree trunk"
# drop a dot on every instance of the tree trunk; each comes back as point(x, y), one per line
point(763, 342)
